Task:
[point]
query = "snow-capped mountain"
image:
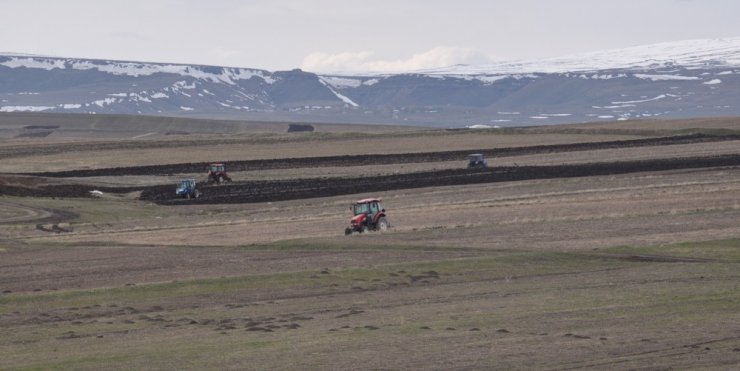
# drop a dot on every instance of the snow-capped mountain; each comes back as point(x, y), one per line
point(680, 79)
point(687, 54)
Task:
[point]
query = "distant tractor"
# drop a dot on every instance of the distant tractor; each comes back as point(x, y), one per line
point(217, 173)
point(186, 188)
point(476, 161)
point(369, 215)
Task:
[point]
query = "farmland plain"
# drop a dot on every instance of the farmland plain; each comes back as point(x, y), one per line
point(624, 270)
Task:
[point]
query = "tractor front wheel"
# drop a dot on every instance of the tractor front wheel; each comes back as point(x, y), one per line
point(197, 193)
point(365, 229)
point(220, 179)
point(347, 231)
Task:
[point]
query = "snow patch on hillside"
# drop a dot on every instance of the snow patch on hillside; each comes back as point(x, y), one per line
point(25, 108)
point(597, 76)
point(341, 82)
point(139, 97)
point(488, 80)
point(664, 77)
point(485, 79)
point(713, 82)
point(661, 96)
point(343, 98)
point(103, 102)
point(44, 64)
point(227, 75)
point(183, 85)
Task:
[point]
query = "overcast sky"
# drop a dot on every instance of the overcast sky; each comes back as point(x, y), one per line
point(341, 35)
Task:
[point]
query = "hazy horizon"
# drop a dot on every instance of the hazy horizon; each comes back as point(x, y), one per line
point(334, 36)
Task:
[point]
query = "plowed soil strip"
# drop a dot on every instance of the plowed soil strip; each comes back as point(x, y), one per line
point(278, 190)
point(385, 159)
point(265, 191)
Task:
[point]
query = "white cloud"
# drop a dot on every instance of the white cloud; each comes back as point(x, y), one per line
point(441, 56)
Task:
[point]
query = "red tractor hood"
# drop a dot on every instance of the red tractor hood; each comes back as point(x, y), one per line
point(357, 219)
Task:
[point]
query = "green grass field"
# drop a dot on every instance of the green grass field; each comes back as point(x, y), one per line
point(609, 300)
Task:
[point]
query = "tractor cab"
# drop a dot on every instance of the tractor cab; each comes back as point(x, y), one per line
point(186, 188)
point(213, 168)
point(369, 214)
point(476, 160)
point(217, 173)
point(370, 206)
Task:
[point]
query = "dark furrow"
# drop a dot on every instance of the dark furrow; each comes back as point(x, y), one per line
point(264, 191)
point(386, 159)
point(291, 189)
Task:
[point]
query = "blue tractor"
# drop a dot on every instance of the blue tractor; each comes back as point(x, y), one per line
point(476, 161)
point(186, 188)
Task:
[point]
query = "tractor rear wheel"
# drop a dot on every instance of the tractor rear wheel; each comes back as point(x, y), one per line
point(383, 224)
point(197, 193)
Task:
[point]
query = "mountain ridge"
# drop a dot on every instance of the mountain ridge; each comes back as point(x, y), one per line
point(677, 80)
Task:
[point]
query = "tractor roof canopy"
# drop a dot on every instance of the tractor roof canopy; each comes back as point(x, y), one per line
point(368, 200)
point(367, 206)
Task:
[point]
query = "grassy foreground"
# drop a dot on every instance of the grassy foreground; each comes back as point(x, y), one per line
point(610, 308)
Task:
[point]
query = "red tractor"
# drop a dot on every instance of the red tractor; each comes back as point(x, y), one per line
point(217, 173)
point(369, 215)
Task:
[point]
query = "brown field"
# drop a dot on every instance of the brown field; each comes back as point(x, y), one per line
point(627, 271)
point(131, 153)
